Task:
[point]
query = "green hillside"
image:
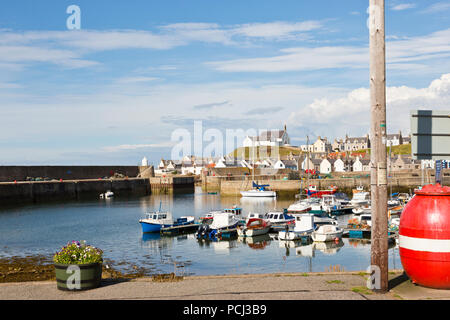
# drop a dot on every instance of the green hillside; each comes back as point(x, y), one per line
point(264, 152)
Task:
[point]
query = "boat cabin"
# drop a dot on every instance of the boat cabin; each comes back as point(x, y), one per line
point(330, 201)
point(255, 216)
point(304, 222)
point(278, 217)
point(236, 211)
point(223, 220)
point(159, 217)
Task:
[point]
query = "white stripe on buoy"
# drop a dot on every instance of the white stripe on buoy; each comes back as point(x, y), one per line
point(421, 244)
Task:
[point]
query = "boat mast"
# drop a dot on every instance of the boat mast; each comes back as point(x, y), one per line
point(253, 166)
point(307, 161)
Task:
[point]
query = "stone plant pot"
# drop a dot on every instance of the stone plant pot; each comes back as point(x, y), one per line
point(82, 276)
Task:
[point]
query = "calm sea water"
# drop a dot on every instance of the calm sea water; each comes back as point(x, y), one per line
point(112, 225)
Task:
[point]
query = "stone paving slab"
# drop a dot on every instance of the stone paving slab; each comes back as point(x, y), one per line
point(311, 286)
point(247, 287)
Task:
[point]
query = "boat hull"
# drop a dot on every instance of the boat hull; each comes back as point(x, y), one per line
point(151, 227)
point(244, 232)
point(324, 237)
point(259, 194)
point(294, 235)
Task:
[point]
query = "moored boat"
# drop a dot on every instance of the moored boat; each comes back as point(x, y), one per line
point(327, 232)
point(154, 221)
point(254, 227)
point(303, 228)
point(312, 191)
point(259, 191)
point(279, 220)
point(107, 195)
point(223, 222)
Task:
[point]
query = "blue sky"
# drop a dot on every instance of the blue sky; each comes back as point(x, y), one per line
point(138, 71)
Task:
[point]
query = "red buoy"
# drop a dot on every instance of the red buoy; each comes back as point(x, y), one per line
point(424, 237)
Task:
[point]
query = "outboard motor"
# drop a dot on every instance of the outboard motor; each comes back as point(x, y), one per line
point(212, 234)
point(200, 231)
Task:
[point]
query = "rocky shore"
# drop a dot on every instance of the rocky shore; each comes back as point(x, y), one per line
point(40, 268)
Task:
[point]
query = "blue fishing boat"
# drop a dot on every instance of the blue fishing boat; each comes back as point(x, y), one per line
point(154, 221)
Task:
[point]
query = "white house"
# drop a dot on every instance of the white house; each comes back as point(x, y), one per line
point(339, 165)
point(270, 138)
point(361, 165)
point(285, 164)
point(394, 139)
point(427, 164)
point(326, 165)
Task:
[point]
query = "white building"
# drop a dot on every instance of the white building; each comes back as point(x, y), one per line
point(273, 138)
point(321, 145)
point(361, 165)
point(339, 165)
point(326, 165)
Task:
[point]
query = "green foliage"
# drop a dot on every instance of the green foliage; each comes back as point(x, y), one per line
point(78, 253)
point(335, 281)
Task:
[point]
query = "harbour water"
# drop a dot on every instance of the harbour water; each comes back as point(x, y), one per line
point(112, 225)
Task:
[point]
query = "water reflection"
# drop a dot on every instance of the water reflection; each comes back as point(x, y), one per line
point(330, 247)
point(257, 242)
point(121, 237)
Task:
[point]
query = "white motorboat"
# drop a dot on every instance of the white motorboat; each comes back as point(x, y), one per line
point(360, 198)
point(254, 215)
point(279, 220)
point(327, 232)
point(221, 222)
point(303, 206)
point(107, 195)
point(259, 193)
point(366, 209)
point(303, 228)
point(224, 221)
point(254, 227)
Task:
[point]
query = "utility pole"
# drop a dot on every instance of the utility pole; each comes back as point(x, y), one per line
point(378, 172)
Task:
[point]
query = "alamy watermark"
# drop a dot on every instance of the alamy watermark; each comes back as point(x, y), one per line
point(374, 280)
point(212, 142)
point(73, 282)
point(73, 22)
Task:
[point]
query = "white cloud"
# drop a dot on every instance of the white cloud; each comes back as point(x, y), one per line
point(437, 7)
point(125, 147)
point(351, 113)
point(280, 29)
point(136, 79)
point(403, 6)
point(415, 49)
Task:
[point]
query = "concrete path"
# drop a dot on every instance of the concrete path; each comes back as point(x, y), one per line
point(313, 286)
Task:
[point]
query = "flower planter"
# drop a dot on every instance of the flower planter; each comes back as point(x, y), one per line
point(78, 276)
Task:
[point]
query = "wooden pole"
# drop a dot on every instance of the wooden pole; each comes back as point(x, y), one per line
point(378, 173)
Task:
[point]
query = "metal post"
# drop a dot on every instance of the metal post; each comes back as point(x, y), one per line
point(378, 173)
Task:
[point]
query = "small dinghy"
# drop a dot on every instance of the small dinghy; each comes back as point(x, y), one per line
point(107, 195)
point(327, 232)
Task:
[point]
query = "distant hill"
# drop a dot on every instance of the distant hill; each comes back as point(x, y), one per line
point(396, 150)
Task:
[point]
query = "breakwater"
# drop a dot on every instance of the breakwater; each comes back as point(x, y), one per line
point(20, 173)
point(39, 191)
point(171, 184)
point(399, 182)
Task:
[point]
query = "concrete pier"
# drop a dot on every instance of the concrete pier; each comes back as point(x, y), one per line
point(37, 191)
point(171, 184)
